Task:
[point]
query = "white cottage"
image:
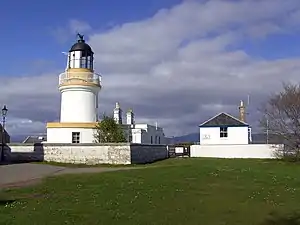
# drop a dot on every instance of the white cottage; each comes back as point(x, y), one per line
point(224, 129)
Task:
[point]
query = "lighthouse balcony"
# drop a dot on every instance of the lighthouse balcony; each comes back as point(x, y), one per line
point(79, 78)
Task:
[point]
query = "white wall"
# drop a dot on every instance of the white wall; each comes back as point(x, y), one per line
point(211, 136)
point(118, 153)
point(139, 135)
point(136, 135)
point(156, 134)
point(64, 135)
point(78, 104)
point(235, 151)
point(142, 134)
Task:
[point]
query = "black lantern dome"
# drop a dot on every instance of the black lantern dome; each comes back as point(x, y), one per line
point(80, 55)
point(82, 46)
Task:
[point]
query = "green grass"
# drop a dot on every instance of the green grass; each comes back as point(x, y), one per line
point(178, 191)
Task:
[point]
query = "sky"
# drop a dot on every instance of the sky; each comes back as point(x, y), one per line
point(174, 62)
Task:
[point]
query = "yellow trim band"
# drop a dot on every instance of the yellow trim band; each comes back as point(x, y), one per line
point(71, 125)
point(80, 83)
point(79, 70)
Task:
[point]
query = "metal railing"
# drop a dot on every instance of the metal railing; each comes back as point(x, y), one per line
point(82, 77)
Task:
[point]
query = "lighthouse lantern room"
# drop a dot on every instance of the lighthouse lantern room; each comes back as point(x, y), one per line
point(79, 86)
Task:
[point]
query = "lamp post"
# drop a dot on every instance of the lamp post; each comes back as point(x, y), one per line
point(3, 139)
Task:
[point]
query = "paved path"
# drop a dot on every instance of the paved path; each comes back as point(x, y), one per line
point(17, 175)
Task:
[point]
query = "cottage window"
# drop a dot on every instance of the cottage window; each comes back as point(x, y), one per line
point(223, 132)
point(75, 137)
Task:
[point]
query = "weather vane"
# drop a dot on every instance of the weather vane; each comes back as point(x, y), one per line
point(80, 36)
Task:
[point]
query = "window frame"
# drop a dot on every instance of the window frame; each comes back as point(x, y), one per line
point(223, 132)
point(75, 137)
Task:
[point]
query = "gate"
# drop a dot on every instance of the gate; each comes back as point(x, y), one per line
point(178, 150)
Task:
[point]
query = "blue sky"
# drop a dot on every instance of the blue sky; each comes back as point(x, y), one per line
point(277, 46)
point(29, 30)
point(28, 27)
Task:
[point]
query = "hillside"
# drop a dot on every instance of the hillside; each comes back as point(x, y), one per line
point(258, 138)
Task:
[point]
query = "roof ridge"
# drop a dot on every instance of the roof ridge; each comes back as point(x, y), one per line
point(224, 121)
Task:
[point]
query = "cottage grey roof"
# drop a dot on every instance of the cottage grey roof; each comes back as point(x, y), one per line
point(223, 119)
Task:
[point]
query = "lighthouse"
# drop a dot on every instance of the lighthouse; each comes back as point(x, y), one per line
point(79, 86)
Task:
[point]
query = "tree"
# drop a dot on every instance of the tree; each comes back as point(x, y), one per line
point(281, 117)
point(108, 131)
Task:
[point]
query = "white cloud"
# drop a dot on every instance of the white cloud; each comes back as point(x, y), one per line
point(26, 127)
point(177, 68)
point(67, 33)
point(78, 26)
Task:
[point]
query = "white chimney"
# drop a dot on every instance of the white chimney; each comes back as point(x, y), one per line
point(118, 113)
point(242, 111)
point(130, 117)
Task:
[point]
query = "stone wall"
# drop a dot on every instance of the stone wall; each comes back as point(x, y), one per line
point(114, 153)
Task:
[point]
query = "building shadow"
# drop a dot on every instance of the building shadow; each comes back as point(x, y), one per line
point(287, 219)
point(23, 154)
point(147, 154)
point(7, 201)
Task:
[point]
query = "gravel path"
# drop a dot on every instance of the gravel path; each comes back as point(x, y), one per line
point(19, 175)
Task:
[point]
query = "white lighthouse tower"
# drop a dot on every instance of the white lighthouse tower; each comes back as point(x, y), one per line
point(79, 86)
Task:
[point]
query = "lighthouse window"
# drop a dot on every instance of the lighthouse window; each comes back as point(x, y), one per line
point(75, 137)
point(83, 62)
point(91, 62)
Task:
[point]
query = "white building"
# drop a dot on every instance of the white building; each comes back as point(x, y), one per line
point(224, 129)
point(79, 86)
point(141, 132)
point(225, 136)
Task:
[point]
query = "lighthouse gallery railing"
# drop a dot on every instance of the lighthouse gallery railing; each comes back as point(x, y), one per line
point(84, 77)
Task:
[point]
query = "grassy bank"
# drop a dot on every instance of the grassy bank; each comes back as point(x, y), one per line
point(181, 191)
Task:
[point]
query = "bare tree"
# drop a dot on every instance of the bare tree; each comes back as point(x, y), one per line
point(281, 117)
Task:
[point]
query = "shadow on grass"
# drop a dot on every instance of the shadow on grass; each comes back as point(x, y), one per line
point(7, 201)
point(286, 219)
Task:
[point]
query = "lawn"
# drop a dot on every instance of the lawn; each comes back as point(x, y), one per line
point(177, 191)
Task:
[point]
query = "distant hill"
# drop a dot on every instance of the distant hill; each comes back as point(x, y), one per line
point(193, 137)
point(262, 139)
point(257, 138)
point(17, 138)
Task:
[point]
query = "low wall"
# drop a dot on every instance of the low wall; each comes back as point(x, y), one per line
point(259, 151)
point(112, 153)
point(147, 153)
